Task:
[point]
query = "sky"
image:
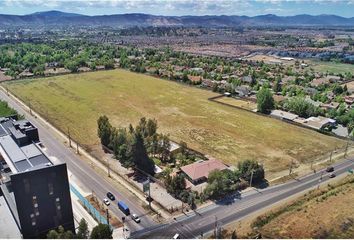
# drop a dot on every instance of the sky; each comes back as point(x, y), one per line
point(343, 8)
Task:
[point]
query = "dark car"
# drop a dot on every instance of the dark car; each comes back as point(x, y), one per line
point(111, 196)
point(330, 169)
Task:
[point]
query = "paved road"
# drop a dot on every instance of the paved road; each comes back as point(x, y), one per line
point(82, 172)
point(238, 207)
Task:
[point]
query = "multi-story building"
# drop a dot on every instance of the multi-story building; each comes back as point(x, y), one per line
point(36, 191)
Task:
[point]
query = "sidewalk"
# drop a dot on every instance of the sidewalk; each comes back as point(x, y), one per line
point(78, 210)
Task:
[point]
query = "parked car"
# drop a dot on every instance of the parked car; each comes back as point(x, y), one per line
point(106, 201)
point(176, 236)
point(332, 175)
point(135, 218)
point(330, 169)
point(111, 196)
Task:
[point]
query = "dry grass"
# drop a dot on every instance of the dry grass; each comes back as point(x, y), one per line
point(238, 103)
point(324, 213)
point(76, 101)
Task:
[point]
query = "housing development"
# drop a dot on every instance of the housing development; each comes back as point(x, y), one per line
point(187, 120)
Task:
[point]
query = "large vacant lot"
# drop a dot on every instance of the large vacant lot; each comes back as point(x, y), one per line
point(76, 101)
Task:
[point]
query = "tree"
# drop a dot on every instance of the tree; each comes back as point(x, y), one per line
point(104, 130)
point(247, 167)
point(82, 232)
point(175, 185)
point(300, 106)
point(277, 86)
point(140, 157)
point(60, 233)
point(265, 101)
point(101, 231)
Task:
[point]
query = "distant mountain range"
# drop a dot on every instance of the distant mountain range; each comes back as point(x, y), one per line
point(136, 19)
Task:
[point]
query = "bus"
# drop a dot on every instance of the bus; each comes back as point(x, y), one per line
point(123, 207)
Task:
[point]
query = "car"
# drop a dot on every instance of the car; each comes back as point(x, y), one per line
point(176, 236)
point(330, 169)
point(106, 201)
point(135, 218)
point(111, 196)
point(332, 175)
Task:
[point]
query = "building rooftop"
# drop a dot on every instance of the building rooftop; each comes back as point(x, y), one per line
point(18, 146)
point(284, 115)
point(202, 169)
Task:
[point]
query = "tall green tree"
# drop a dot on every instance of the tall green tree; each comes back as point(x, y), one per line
point(265, 101)
point(82, 232)
point(101, 231)
point(139, 155)
point(104, 130)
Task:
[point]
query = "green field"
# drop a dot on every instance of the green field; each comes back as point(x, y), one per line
point(331, 67)
point(76, 101)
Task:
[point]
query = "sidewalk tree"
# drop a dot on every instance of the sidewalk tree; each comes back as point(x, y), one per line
point(82, 232)
point(246, 167)
point(101, 231)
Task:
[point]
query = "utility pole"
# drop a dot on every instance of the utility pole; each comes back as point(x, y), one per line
point(69, 137)
point(216, 227)
point(346, 149)
point(77, 148)
point(252, 171)
point(108, 168)
point(107, 214)
point(150, 196)
point(291, 167)
point(30, 107)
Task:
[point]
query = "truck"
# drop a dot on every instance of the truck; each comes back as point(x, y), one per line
point(123, 207)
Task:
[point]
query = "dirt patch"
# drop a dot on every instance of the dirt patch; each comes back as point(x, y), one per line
point(101, 208)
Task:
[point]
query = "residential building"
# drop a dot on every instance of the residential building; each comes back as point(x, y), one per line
point(283, 115)
point(198, 172)
point(36, 191)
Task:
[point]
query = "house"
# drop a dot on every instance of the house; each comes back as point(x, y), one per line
point(349, 99)
point(333, 79)
point(26, 73)
point(198, 172)
point(283, 115)
point(84, 69)
point(319, 81)
point(319, 123)
point(247, 79)
point(279, 98)
point(243, 90)
point(328, 106)
point(174, 148)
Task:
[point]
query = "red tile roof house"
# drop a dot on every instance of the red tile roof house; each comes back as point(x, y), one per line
point(198, 172)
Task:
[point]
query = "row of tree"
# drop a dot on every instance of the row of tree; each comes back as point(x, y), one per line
point(134, 147)
point(101, 231)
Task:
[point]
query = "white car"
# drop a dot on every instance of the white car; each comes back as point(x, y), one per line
point(135, 218)
point(106, 201)
point(176, 236)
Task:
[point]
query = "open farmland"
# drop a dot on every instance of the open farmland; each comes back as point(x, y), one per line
point(76, 101)
point(331, 67)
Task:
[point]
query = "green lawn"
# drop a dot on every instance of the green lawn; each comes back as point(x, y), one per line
point(76, 101)
point(331, 67)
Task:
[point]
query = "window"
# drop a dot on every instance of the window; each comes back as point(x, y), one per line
point(33, 222)
point(27, 185)
point(36, 211)
point(50, 188)
point(57, 199)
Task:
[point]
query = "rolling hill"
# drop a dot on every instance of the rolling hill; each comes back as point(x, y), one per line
point(142, 20)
